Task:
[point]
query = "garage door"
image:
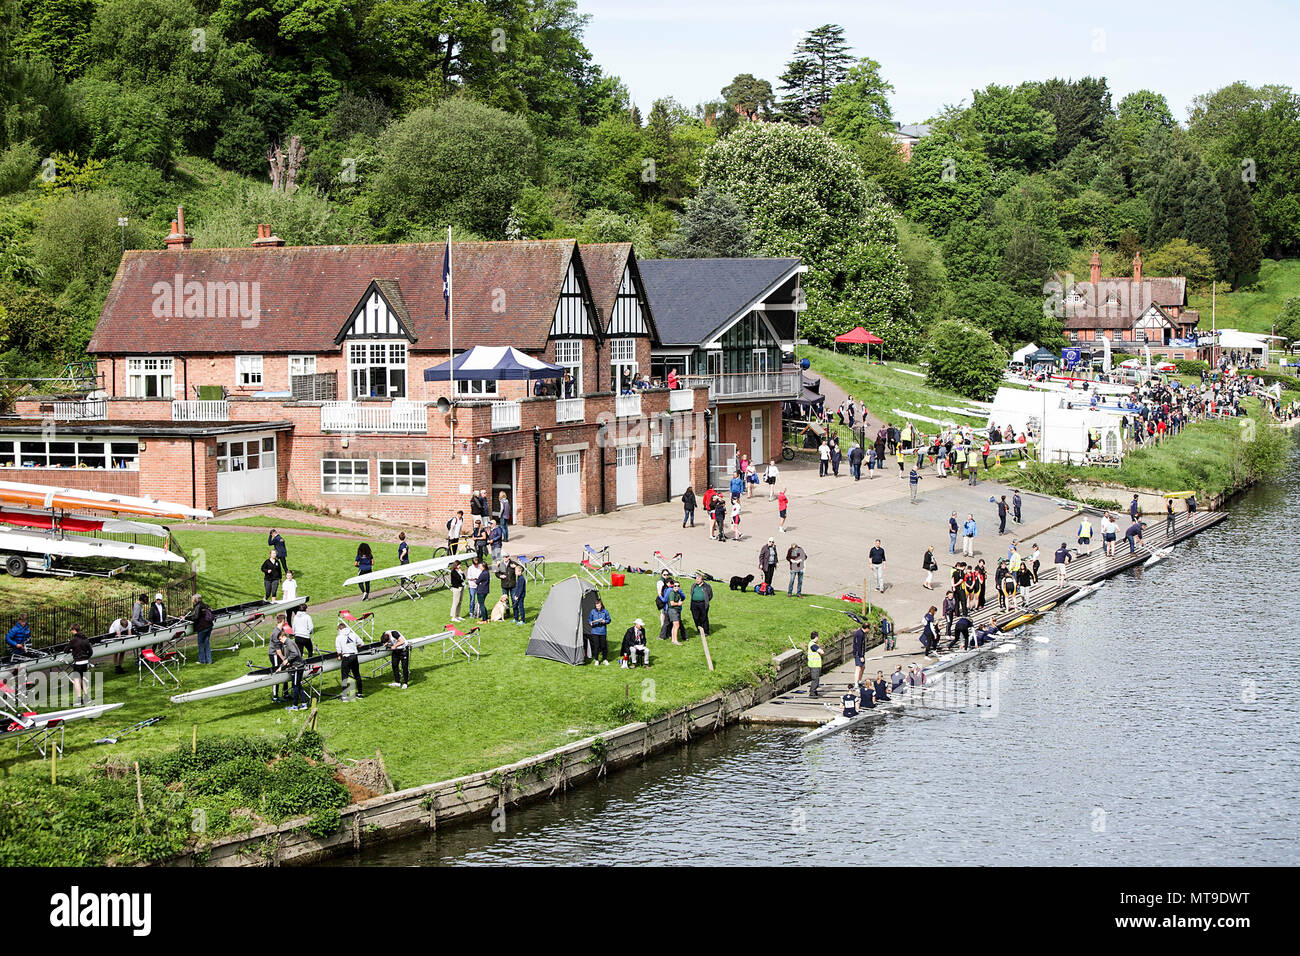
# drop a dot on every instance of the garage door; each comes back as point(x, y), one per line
point(246, 473)
point(568, 483)
point(679, 469)
point(626, 493)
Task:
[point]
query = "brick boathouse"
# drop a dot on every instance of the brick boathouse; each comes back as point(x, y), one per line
point(235, 377)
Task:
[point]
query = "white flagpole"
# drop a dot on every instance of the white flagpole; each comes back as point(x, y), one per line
point(451, 350)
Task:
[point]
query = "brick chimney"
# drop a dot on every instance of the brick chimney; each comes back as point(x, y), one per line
point(264, 237)
point(178, 239)
point(1094, 269)
point(1137, 266)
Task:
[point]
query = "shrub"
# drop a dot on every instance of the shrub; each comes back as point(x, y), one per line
point(1191, 366)
point(965, 359)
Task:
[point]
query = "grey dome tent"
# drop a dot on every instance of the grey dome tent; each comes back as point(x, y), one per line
point(558, 630)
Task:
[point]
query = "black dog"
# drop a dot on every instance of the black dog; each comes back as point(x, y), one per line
point(741, 584)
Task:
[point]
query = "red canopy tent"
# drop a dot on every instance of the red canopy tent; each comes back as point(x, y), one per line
point(860, 336)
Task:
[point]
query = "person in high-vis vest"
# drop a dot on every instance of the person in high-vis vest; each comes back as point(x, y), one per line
point(1085, 535)
point(814, 665)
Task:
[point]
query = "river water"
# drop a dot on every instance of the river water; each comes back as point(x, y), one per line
point(1156, 726)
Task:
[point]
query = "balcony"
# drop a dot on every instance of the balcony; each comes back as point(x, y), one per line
point(627, 406)
point(681, 400)
point(396, 416)
point(505, 416)
point(88, 410)
point(201, 410)
point(569, 410)
point(747, 386)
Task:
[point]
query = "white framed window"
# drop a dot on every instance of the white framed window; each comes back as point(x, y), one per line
point(245, 455)
point(301, 365)
point(345, 476)
point(377, 369)
point(475, 386)
point(149, 377)
point(248, 371)
point(403, 477)
point(568, 355)
point(93, 453)
point(622, 352)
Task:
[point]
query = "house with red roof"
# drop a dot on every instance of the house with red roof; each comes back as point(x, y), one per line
point(235, 377)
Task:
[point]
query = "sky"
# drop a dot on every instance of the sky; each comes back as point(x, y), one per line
point(935, 53)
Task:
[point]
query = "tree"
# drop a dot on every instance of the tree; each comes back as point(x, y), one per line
point(1013, 132)
point(78, 240)
point(1205, 218)
point(821, 62)
point(860, 103)
point(1010, 317)
point(1178, 257)
point(1138, 116)
point(462, 163)
point(1288, 320)
point(947, 181)
point(802, 195)
point(55, 31)
point(1244, 251)
point(1026, 228)
point(749, 97)
point(964, 359)
point(713, 226)
point(1078, 108)
point(932, 297)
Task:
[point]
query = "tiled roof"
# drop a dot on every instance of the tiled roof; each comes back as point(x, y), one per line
point(505, 294)
point(605, 262)
point(1122, 297)
point(693, 298)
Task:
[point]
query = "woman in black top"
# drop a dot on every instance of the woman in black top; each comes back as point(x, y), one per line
point(688, 505)
point(457, 589)
point(271, 576)
point(364, 563)
point(929, 566)
point(79, 648)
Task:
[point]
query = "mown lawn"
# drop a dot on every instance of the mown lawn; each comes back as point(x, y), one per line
point(458, 716)
point(1253, 310)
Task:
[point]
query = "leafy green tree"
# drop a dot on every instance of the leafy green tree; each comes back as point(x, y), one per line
point(301, 218)
point(462, 163)
point(1014, 133)
point(860, 103)
point(948, 180)
point(1205, 218)
point(123, 124)
point(1244, 251)
point(749, 97)
point(35, 103)
point(1288, 320)
point(1026, 228)
point(605, 225)
point(932, 294)
point(1079, 109)
point(55, 31)
point(78, 239)
point(1178, 257)
point(1138, 116)
point(821, 62)
point(712, 226)
point(18, 165)
point(1217, 119)
point(964, 358)
point(1012, 318)
point(803, 196)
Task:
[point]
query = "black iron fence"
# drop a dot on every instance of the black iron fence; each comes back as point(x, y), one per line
point(50, 625)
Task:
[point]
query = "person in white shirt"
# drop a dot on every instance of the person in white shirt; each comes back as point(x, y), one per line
point(120, 628)
point(824, 454)
point(454, 524)
point(289, 586)
point(346, 645)
point(303, 626)
point(770, 476)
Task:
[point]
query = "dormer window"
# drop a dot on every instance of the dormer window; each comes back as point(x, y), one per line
point(377, 369)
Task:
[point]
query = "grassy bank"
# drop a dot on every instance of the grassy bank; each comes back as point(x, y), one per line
point(457, 716)
point(1255, 308)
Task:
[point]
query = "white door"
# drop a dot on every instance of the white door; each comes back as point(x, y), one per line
point(757, 453)
point(568, 483)
point(679, 469)
point(626, 483)
point(246, 472)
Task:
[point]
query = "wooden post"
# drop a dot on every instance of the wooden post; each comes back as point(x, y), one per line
point(139, 797)
point(194, 740)
point(707, 656)
point(54, 754)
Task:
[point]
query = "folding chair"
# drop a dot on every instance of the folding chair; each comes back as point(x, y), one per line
point(672, 565)
point(595, 565)
point(174, 644)
point(363, 626)
point(534, 567)
point(157, 665)
point(15, 692)
point(464, 642)
point(23, 727)
point(247, 628)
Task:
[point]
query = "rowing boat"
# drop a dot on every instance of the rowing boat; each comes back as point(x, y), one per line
point(1157, 556)
point(1086, 591)
point(30, 723)
point(263, 678)
point(106, 645)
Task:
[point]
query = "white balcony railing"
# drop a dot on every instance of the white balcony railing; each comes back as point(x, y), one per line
point(505, 416)
point(396, 416)
point(91, 408)
point(747, 385)
point(681, 400)
point(627, 406)
point(201, 410)
point(569, 410)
